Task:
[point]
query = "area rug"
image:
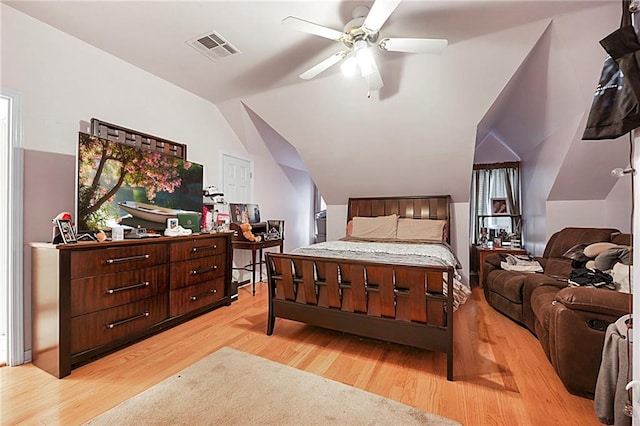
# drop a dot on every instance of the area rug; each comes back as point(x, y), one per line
point(231, 387)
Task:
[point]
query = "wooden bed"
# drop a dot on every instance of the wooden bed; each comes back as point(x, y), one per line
point(393, 302)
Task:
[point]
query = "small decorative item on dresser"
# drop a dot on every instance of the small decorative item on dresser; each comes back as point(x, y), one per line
point(117, 233)
point(483, 238)
point(497, 242)
point(66, 231)
point(101, 236)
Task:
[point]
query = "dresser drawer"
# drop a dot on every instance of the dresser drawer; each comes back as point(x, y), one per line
point(106, 291)
point(198, 247)
point(196, 296)
point(102, 327)
point(195, 271)
point(108, 260)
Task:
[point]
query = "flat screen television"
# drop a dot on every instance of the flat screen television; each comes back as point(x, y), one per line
point(120, 184)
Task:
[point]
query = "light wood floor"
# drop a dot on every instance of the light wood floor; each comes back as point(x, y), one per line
point(501, 374)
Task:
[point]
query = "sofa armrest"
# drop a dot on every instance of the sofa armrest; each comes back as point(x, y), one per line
point(601, 301)
point(542, 261)
point(494, 260)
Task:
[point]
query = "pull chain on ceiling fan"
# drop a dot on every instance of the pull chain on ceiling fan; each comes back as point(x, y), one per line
point(359, 36)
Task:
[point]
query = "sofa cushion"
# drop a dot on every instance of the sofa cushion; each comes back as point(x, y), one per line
point(558, 267)
point(531, 283)
point(507, 283)
point(621, 239)
point(563, 240)
point(577, 253)
point(593, 250)
point(606, 259)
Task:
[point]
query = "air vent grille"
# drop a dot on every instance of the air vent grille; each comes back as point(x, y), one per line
point(213, 46)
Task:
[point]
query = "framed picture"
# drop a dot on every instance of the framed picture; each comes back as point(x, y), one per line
point(66, 231)
point(237, 211)
point(499, 206)
point(275, 228)
point(172, 223)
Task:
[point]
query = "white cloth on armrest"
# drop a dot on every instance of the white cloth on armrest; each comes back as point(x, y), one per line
point(517, 264)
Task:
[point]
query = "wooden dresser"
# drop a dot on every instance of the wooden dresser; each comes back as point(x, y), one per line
point(89, 299)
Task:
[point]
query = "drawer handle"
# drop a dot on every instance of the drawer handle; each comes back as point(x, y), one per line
point(129, 287)
point(202, 248)
point(127, 259)
point(206, 293)
point(126, 320)
point(203, 270)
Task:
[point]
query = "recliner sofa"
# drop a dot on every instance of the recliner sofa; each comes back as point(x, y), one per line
point(569, 322)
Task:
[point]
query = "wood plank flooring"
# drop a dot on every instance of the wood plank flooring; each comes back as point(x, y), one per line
point(502, 376)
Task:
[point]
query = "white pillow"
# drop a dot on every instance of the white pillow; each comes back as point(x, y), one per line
point(620, 274)
point(592, 250)
point(421, 229)
point(375, 227)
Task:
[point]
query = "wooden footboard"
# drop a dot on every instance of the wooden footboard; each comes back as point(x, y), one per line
point(395, 303)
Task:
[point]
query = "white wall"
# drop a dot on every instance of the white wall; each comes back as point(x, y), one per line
point(617, 213)
point(493, 150)
point(539, 170)
point(561, 214)
point(292, 199)
point(614, 212)
point(336, 221)
point(460, 236)
point(63, 81)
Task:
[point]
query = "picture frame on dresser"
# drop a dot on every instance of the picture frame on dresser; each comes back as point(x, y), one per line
point(67, 232)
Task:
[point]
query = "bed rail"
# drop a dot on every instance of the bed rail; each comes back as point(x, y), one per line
point(403, 304)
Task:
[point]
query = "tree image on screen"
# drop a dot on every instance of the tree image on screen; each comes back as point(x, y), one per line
point(107, 170)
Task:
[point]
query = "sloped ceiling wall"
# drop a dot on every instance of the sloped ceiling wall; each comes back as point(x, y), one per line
point(524, 91)
point(416, 137)
point(542, 112)
point(552, 94)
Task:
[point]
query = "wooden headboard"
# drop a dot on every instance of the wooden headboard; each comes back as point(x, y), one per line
point(417, 207)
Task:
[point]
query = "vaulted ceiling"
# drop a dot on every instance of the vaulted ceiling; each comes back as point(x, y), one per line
point(517, 72)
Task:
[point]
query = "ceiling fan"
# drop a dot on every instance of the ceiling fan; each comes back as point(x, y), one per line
point(360, 35)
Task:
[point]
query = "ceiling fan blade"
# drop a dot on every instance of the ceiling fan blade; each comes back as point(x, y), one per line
point(413, 45)
point(311, 28)
point(324, 65)
point(374, 79)
point(379, 13)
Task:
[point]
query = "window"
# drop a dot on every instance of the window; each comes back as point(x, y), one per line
point(495, 199)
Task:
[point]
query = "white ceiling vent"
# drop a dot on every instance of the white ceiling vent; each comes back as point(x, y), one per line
point(213, 46)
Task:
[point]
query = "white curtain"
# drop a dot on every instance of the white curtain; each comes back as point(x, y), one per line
point(489, 181)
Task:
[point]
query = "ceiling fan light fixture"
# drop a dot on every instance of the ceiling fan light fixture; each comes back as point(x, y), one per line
point(349, 67)
point(364, 56)
point(360, 34)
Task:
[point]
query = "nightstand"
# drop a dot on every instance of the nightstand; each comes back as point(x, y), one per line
point(484, 252)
